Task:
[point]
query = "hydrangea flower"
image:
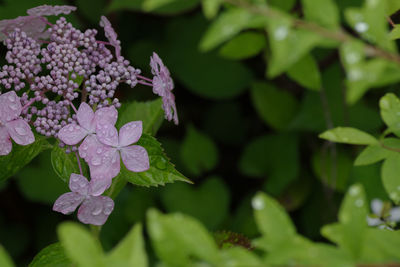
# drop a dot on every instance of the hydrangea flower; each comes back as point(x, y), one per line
point(163, 86)
point(93, 210)
point(46, 10)
point(11, 125)
point(111, 35)
point(392, 216)
point(33, 26)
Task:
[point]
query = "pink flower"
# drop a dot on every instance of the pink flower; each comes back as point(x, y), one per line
point(33, 26)
point(163, 86)
point(111, 35)
point(11, 124)
point(94, 209)
point(46, 10)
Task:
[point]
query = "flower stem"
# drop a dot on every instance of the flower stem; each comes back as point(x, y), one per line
point(144, 78)
point(145, 83)
point(79, 162)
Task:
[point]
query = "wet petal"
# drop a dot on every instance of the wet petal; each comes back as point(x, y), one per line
point(99, 185)
point(95, 210)
point(109, 166)
point(72, 134)
point(135, 158)
point(85, 117)
point(10, 106)
point(373, 221)
point(20, 132)
point(5, 142)
point(394, 215)
point(130, 133)
point(79, 184)
point(108, 115)
point(107, 134)
point(377, 206)
point(46, 10)
point(68, 202)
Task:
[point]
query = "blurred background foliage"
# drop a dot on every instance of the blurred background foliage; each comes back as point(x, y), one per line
point(250, 114)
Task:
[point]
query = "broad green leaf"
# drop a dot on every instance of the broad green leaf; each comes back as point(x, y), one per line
point(198, 152)
point(150, 113)
point(161, 170)
point(391, 176)
point(276, 107)
point(130, 251)
point(306, 73)
point(348, 135)
point(65, 164)
point(80, 246)
point(333, 232)
point(243, 46)
point(5, 260)
point(165, 7)
point(227, 25)
point(395, 32)
point(390, 112)
point(380, 245)
point(371, 154)
point(284, 5)
point(210, 8)
point(323, 12)
point(176, 238)
point(51, 256)
point(238, 256)
point(21, 156)
point(272, 220)
point(352, 216)
point(209, 202)
point(392, 6)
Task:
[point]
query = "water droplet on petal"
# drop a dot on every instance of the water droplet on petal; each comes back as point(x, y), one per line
point(98, 209)
point(11, 97)
point(96, 161)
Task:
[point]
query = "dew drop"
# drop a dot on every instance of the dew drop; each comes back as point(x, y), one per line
point(98, 209)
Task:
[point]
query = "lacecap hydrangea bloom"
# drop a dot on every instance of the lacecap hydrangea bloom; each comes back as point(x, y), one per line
point(53, 68)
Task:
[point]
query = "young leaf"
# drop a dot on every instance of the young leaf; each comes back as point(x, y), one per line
point(243, 46)
point(52, 255)
point(149, 112)
point(390, 176)
point(177, 237)
point(161, 170)
point(21, 156)
point(272, 220)
point(323, 12)
point(276, 107)
point(80, 247)
point(390, 112)
point(130, 251)
point(198, 152)
point(348, 135)
point(5, 260)
point(306, 73)
point(64, 164)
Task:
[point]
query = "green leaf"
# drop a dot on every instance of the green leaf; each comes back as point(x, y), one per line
point(392, 6)
point(285, 5)
point(165, 7)
point(395, 32)
point(390, 112)
point(276, 107)
point(238, 256)
point(161, 170)
point(21, 156)
point(348, 135)
point(244, 45)
point(130, 251)
point(5, 260)
point(352, 216)
point(198, 152)
point(65, 164)
point(149, 112)
point(323, 12)
point(272, 220)
point(380, 245)
point(306, 73)
point(177, 237)
point(371, 154)
point(51, 256)
point(391, 178)
point(79, 245)
point(210, 8)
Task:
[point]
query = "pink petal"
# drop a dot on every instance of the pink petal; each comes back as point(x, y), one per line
point(108, 115)
point(79, 184)
point(20, 132)
point(98, 186)
point(130, 133)
point(68, 202)
point(109, 166)
point(10, 106)
point(85, 117)
point(111, 35)
point(46, 10)
point(135, 158)
point(72, 134)
point(95, 210)
point(5, 142)
point(33, 26)
point(87, 150)
point(107, 134)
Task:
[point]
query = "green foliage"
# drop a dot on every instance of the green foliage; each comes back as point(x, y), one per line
point(306, 73)
point(52, 255)
point(5, 259)
point(390, 112)
point(323, 12)
point(349, 136)
point(64, 164)
point(243, 46)
point(165, 7)
point(390, 176)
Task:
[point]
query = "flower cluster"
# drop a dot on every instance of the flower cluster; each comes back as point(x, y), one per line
point(50, 68)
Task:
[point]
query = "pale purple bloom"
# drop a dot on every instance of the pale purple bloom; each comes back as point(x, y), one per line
point(94, 209)
point(163, 86)
point(377, 206)
point(33, 26)
point(11, 124)
point(46, 10)
point(111, 35)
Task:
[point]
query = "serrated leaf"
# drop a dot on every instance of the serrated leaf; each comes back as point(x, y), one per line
point(80, 246)
point(149, 112)
point(390, 176)
point(390, 112)
point(5, 260)
point(306, 73)
point(243, 46)
point(323, 12)
point(64, 164)
point(51, 256)
point(348, 135)
point(20, 156)
point(161, 170)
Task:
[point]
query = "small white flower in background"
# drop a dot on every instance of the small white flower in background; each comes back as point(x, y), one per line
point(382, 215)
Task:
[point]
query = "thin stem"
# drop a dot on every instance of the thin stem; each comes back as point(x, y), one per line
point(144, 78)
point(145, 83)
point(103, 42)
point(33, 100)
point(73, 107)
point(79, 162)
point(389, 19)
point(390, 148)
